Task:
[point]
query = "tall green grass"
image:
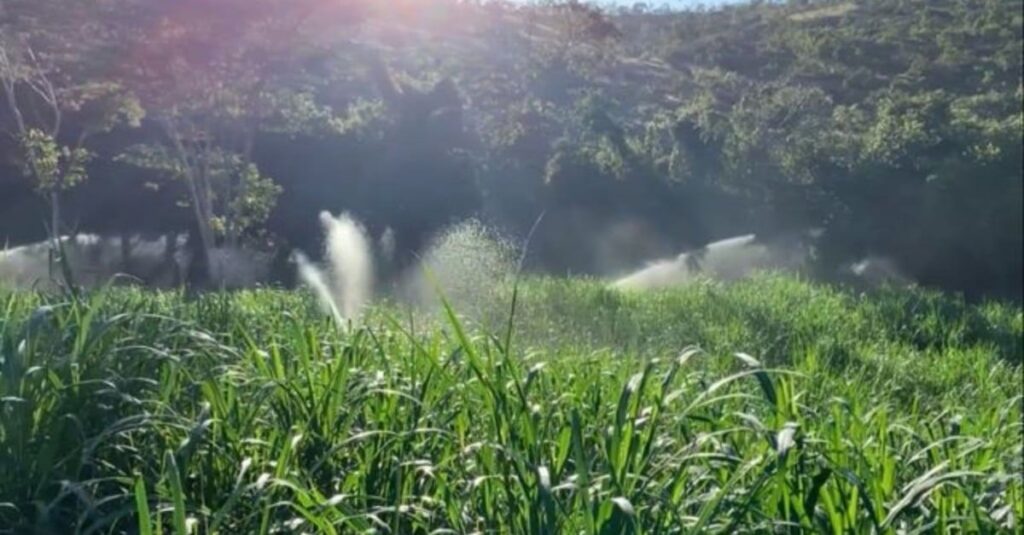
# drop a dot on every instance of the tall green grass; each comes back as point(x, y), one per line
point(767, 406)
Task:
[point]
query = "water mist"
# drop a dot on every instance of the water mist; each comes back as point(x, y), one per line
point(346, 286)
point(725, 260)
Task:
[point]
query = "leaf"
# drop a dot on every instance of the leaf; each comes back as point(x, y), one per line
point(786, 438)
point(924, 486)
point(142, 507)
point(177, 494)
point(814, 492)
point(624, 505)
point(762, 377)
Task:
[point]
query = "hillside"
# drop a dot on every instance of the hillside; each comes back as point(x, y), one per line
point(895, 125)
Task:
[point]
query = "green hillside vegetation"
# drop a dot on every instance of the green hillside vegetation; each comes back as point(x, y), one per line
point(895, 125)
point(599, 412)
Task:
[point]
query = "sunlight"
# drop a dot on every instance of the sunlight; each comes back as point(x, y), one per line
point(598, 266)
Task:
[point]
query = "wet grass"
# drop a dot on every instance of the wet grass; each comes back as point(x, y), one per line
point(772, 405)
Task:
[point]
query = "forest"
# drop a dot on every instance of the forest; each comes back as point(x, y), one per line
point(894, 126)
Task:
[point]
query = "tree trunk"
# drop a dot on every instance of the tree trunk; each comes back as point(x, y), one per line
point(58, 253)
point(170, 260)
point(198, 189)
point(54, 215)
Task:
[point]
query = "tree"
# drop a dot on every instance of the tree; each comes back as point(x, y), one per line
point(54, 97)
point(212, 76)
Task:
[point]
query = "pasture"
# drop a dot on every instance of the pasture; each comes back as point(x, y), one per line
point(768, 405)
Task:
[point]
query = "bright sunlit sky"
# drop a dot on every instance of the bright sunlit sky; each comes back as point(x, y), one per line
point(678, 4)
point(671, 3)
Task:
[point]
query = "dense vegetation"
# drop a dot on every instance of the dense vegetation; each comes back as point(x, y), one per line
point(558, 405)
point(135, 412)
point(895, 125)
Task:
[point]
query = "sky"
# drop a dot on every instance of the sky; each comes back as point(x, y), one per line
point(670, 3)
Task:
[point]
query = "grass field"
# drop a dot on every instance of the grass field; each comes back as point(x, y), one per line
point(772, 405)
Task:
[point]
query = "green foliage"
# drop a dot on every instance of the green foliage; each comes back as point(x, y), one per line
point(104, 105)
point(866, 118)
point(251, 412)
point(154, 158)
point(241, 197)
point(249, 207)
point(52, 166)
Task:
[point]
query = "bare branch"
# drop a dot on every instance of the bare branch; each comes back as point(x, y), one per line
point(8, 79)
point(41, 84)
